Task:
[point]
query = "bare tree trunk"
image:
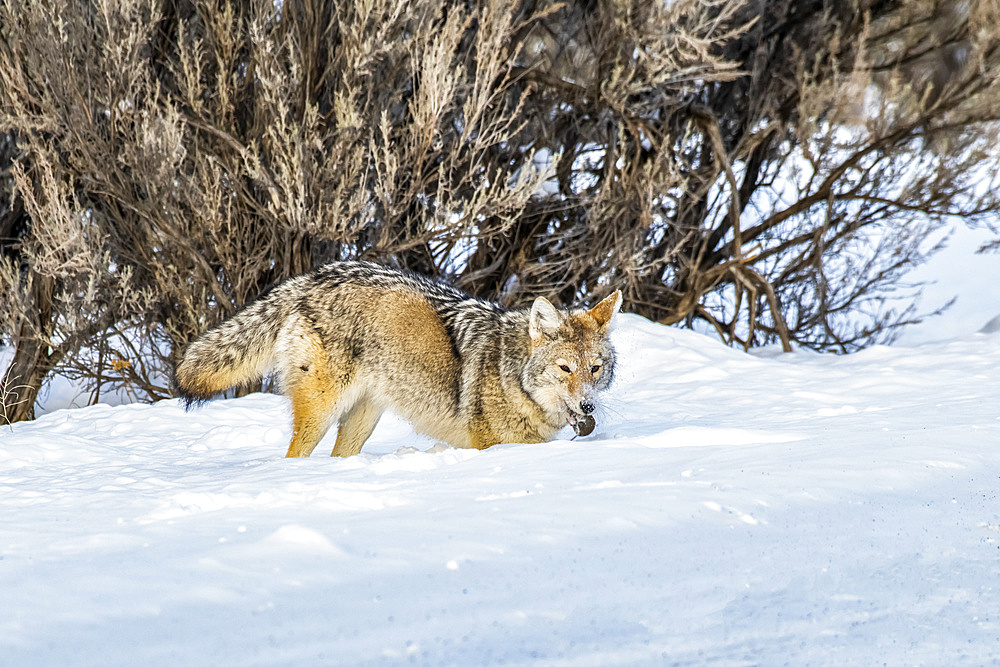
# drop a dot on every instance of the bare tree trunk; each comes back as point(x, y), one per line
point(22, 381)
point(32, 360)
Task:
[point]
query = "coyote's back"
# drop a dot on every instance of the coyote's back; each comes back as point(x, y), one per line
point(352, 339)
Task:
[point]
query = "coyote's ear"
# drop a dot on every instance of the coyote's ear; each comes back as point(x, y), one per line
point(544, 319)
point(605, 310)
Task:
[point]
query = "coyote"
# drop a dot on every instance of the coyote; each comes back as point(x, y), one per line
point(350, 340)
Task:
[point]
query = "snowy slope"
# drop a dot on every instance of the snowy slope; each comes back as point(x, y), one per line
point(729, 508)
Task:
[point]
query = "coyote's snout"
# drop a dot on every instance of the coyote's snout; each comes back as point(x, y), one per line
point(352, 339)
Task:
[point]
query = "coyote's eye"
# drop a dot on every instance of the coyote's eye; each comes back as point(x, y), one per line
point(564, 368)
point(595, 369)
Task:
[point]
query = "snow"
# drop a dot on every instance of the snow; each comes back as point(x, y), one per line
point(956, 271)
point(733, 508)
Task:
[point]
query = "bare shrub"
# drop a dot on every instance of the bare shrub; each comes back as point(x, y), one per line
point(175, 159)
point(775, 179)
point(767, 170)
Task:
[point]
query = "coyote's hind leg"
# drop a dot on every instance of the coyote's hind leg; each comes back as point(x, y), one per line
point(312, 415)
point(317, 395)
point(355, 426)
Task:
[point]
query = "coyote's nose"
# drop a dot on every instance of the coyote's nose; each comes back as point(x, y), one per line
point(587, 407)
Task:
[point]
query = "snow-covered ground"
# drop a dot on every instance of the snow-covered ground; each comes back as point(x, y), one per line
point(729, 508)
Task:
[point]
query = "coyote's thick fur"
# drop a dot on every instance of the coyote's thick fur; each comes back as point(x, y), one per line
point(350, 340)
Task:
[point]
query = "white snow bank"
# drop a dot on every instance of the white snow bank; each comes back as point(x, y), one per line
point(728, 508)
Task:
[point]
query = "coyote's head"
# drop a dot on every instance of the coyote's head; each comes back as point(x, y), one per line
point(571, 360)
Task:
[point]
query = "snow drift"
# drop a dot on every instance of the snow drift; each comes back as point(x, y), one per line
point(729, 508)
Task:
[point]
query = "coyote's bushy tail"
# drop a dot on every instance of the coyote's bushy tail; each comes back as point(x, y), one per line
point(235, 352)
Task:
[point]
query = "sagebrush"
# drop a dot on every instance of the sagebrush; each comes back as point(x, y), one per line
point(768, 173)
